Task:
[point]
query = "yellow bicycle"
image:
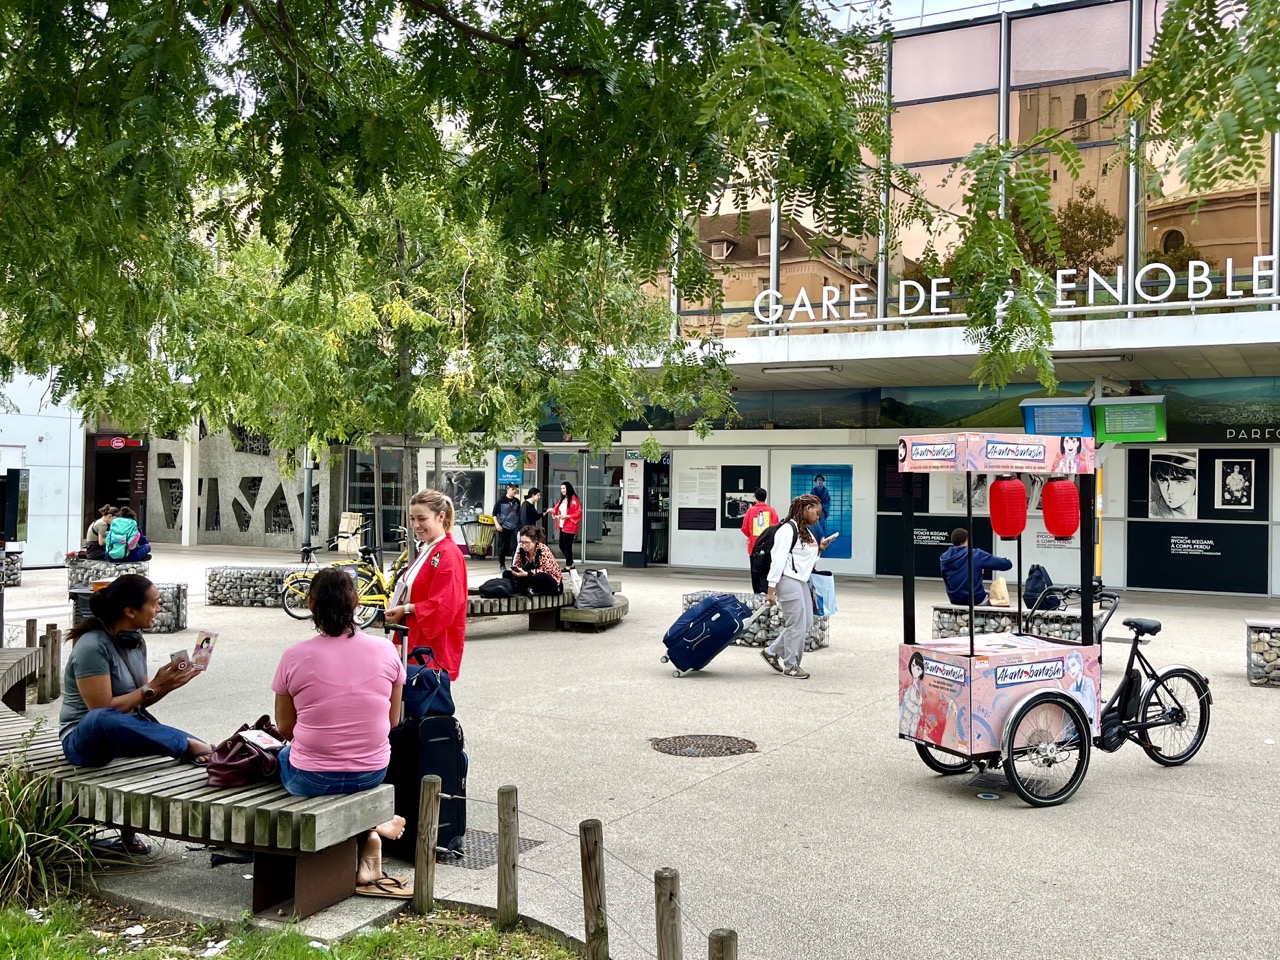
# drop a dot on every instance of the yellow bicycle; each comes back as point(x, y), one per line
point(373, 585)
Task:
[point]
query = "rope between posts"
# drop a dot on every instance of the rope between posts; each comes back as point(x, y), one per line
point(612, 921)
point(573, 833)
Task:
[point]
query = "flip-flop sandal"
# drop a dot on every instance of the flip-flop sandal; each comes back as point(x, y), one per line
point(385, 887)
point(200, 759)
point(397, 881)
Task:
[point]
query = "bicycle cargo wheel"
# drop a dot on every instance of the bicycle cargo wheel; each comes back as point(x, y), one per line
point(939, 761)
point(1046, 751)
point(1177, 702)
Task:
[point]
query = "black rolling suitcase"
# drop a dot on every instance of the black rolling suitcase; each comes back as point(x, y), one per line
point(419, 747)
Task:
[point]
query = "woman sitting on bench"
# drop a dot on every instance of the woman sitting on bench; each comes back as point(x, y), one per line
point(337, 698)
point(106, 691)
point(534, 569)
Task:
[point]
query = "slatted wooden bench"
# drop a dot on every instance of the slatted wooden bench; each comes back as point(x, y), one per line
point(304, 848)
point(595, 618)
point(545, 612)
point(16, 665)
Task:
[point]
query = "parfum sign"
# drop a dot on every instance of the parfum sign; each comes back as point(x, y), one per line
point(1155, 283)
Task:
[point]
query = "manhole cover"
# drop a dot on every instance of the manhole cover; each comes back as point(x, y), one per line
point(990, 780)
point(480, 850)
point(704, 745)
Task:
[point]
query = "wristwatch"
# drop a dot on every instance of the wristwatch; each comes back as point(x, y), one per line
point(148, 693)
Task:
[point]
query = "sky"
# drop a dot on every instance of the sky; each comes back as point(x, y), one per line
point(917, 13)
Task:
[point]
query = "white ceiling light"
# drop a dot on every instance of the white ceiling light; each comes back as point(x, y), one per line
point(826, 368)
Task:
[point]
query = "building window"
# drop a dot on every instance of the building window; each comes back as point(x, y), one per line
point(1173, 241)
point(762, 246)
point(719, 249)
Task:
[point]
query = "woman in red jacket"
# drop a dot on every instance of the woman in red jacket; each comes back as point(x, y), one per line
point(436, 607)
point(568, 514)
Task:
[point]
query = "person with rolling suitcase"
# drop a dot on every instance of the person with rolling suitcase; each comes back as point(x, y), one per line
point(795, 553)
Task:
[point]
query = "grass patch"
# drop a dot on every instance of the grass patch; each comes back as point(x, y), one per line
point(92, 928)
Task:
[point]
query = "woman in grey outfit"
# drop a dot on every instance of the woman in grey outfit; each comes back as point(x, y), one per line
point(795, 552)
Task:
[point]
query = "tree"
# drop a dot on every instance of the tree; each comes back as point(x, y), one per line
point(233, 209)
point(1087, 233)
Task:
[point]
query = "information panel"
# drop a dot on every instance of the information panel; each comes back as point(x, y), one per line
point(1130, 419)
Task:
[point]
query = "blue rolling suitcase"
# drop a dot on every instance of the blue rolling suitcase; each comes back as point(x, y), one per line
point(703, 631)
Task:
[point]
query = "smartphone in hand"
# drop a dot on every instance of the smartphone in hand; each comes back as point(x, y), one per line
point(179, 659)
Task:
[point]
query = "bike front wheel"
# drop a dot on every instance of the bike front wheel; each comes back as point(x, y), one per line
point(372, 601)
point(293, 596)
point(1177, 702)
point(1047, 746)
point(947, 764)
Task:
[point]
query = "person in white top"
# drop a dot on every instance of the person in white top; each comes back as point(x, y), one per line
point(795, 552)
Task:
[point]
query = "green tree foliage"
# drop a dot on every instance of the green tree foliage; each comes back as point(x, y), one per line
point(1087, 235)
point(429, 216)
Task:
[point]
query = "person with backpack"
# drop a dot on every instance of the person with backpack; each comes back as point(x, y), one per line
point(955, 569)
point(506, 514)
point(759, 518)
point(123, 541)
point(534, 570)
point(794, 554)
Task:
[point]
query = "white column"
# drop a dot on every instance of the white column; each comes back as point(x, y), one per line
point(191, 485)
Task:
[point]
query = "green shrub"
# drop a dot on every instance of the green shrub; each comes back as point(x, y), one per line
point(42, 849)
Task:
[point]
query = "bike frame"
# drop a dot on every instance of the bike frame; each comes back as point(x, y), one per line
point(1126, 699)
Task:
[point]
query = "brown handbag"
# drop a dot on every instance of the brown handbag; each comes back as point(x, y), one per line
point(237, 762)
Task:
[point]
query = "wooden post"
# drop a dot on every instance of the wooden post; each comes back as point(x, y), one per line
point(666, 896)
point(33, 640)
point(722, 945)
point(424, 864)
point(44, 669)
point(595, 925)
point(508, 858)
point(55, 656)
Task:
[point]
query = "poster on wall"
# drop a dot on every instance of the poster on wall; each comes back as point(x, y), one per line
point(1204, 556)
point(1173, 485)
point(466, 489)
point(890, 484)
point(979, 491)
point(1233, 489)
point(833, 485)
point(932, 537)
point(737, 493)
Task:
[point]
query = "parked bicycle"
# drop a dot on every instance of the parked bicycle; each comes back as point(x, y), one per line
point(374, 586)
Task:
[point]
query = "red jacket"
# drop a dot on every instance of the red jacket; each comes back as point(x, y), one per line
point(439, 598)
point(572, 516)
point(759, 518)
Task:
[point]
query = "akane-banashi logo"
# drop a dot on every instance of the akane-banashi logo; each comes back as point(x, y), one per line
point(1016, 452)
point(944, 671)
point(1015, 673)
point(933, 451)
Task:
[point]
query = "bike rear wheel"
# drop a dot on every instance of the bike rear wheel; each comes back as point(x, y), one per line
point(293, 596)
point(1047, 744)
point(368, 609)
point(947, 764)
point(1178, 699)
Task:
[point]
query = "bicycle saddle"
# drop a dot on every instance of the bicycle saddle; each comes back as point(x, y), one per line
point(1143, 627)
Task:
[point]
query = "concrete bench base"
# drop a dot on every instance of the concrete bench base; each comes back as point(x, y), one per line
point(1262, 652)
point(82, 572)
point(766, 629)
point(596, 619)
point(952, 620)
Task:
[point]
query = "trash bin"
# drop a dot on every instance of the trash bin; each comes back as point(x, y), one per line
point(478, 534)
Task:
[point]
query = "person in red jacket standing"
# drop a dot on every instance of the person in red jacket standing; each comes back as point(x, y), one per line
point(435, 606)
point(568, 514)
point(759, 518)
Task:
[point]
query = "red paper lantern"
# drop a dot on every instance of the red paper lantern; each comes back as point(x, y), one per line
point(1008, 499)
point(1061, 507)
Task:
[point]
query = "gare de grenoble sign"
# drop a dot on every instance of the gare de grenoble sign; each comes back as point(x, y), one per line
point(768, 306)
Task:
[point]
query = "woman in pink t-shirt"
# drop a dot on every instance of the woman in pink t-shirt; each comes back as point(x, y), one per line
point(337, 697)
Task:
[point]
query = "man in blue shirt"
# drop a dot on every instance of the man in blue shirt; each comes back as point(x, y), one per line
point(823, 494)
point(955, 569)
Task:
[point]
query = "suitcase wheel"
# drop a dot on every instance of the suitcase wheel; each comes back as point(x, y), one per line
point(666, 659)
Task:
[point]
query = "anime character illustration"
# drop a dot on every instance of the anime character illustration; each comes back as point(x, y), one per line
point(909, 711)
point(1070, 459)
point(1235, 485)
point(1081, 687)
point(1173, 485)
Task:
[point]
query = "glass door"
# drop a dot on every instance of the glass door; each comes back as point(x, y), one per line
point(602, 508)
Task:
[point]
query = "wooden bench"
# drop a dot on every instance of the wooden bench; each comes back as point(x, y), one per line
point(545, 612)
point(16, 665)
point(304, 848)
point(595, 618)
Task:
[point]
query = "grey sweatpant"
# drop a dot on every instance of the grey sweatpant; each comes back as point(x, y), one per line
point(797, 610)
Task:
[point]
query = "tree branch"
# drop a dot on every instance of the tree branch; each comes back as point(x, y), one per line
point(517, 44)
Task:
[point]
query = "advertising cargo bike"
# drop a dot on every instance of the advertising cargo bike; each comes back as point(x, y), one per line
point(1025, 704)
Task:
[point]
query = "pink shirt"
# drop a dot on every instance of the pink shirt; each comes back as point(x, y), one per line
point(341, 689)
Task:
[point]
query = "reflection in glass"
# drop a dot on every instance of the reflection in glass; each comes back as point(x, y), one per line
point(1079, 42)
point(943, 131)
point(946, 63)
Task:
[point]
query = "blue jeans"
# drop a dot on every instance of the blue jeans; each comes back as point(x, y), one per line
point(106, 733)
point(306, 783)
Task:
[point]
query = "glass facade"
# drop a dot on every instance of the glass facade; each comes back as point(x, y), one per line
point(1013, 76)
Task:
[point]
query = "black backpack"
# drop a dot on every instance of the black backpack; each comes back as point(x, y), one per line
point(497, 588)
point(763, 549)
point(1038, 581)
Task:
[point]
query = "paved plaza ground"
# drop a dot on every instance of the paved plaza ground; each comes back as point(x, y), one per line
point(833, 840)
